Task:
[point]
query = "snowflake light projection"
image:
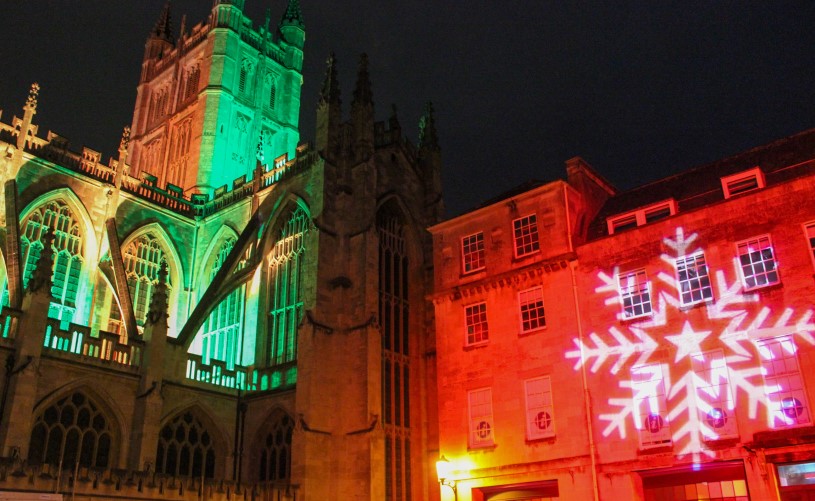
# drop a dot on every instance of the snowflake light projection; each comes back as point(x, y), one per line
point(690, 398)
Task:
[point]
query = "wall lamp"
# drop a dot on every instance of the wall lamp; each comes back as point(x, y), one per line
point(443, 470)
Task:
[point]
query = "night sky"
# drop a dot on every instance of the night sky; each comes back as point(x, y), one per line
point(640, 89)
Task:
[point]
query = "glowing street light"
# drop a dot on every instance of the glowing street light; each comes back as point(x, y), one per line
point(443, 471)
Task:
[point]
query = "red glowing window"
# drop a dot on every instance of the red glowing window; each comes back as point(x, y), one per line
point(476, 319)
point(757, 262)
point(481, 423)
point(472, 252)
point(743, 182)
point(809, 229)
point(783, 384)
point(532, 317)
point(635, 294)
point(651, 416)
point(693, 279)
point(540, 416)
point(526, 235)
point(714, 400)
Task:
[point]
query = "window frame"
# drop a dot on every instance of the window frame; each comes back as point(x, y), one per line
point(489, 418)
point(479, 252)
point(647, 283)
point(728, 182)
point(745, 243)
point(541, 317)
point(641, 216)
point(695, 257)
point(809, 235)
point(533, 234)
point(716, 393)
point(660, 399)
point(547, 405)
point(773, 417)
point(485, 332)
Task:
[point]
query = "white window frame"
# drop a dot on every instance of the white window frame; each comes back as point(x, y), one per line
point(535, 242)
point(625, 285)
point(641, 216)
point(693, 261)
point(809, 234)
point(484, 333)
point(481, 252)
point(541, 319)
point(540, 410)
point(480, 422)
point(714, 397)
point(784, 385)
point(747, 248)
point(732, 181)
point(650, 406)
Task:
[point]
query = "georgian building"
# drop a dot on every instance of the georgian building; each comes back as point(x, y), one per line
point(221, 310)
point(653, 344)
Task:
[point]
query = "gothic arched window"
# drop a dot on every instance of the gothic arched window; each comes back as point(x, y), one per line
point(185, 448)
point(72, 430)
point(272, 94)
point(193, 76)
point(142, 259)
point(67, 252)
point(274, 450)
point(221, 336)
point(394, 317)
point(285, 276)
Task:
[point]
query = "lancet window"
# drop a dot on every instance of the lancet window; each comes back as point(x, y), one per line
point(67, 254)
point(71, 431)
point(394, 318)
point(285, 281)
point(185, 448)
point(274, 455)
point(142, 259)
point(223, 329)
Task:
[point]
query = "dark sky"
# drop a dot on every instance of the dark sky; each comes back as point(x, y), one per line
point(639, 89)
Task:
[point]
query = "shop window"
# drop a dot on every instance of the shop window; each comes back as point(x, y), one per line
point(787, 401)
point(540, 416)
point(796, 474)
point(472, 252)
point(757, 262)
point(481, 422)
point(720, 481)
point(476, 323)
point(693, 279)
point(635, 294)
point(525, 231)
point(532, 315)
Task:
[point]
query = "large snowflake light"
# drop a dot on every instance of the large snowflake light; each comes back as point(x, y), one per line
point(690, 398)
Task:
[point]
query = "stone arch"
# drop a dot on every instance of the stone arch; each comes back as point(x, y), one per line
point(191, 443)
point(395, 204)
point(175, 267)
point(271, 453)
point(77, 422)
point(89, 246)
point(224, 233)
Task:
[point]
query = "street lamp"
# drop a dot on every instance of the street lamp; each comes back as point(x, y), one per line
point(443, 470)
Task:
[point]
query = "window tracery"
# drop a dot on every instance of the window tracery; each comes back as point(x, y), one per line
point(221, 336)
point(274, 455)
point(185, 448)
point(142, 259)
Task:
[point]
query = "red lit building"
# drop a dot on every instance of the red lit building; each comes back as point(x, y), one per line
point(654, 344)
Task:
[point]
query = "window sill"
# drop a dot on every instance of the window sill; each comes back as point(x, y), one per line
point(531, 332)
point(482, 448)
point(658, 449)
point(475, 346)
point(517, 259)
point(759, 288)
point(543, 440)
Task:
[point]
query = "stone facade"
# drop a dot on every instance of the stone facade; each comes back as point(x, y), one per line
point(224, 316)
point(676, 357)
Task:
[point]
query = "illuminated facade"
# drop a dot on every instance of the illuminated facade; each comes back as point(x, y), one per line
point(219, 305)
point(675, 357)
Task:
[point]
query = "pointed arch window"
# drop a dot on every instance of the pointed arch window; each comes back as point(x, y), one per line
point(142, 259)
point(70, 431)
point(285, 280)
point(274, 454)
point(67, 252)
point(193, 77)
point(185, 448)
point(272, 94)
point(222, 333)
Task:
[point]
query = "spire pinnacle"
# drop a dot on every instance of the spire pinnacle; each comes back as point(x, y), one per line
point(158, 301)
point(163, 29)
point(41, 277)
point(330, 92)
point(31, 102)
point(362, 91)
point(293, 15)
point(428, 138)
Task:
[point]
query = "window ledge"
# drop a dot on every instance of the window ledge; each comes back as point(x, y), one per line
point(531, 332)
point(660, 449)
point(475, 346)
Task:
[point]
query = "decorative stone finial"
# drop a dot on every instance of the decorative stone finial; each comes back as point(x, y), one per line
point(428, 138)
point(362, 92)
point(260, 155)
point(41, 277)
point(293, 15)
point(330, 92)
point(31, 102)
point(125, 142)
point(158, 300)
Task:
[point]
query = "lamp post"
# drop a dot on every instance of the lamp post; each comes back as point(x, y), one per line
point(443, 470)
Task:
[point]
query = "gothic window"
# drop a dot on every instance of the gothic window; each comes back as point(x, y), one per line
point(185, 448)
point(222, 331)
point(272, 94)
point(285, 279)
point(180, 147)
point(67, 253)
point(244, 75)
point(394, 317)
point(275, 451)
point(193, 76)
point(72, 430)
point(142, 259)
